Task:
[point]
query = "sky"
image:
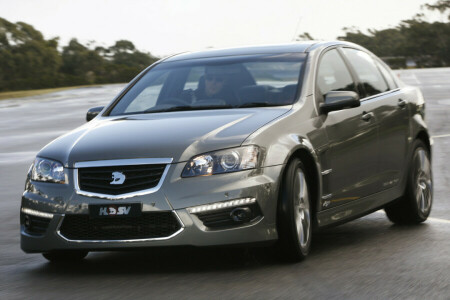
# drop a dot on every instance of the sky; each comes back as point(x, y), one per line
point(165, 27)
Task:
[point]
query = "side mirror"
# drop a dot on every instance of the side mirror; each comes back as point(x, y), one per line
point(93, 112)
point(337, 100)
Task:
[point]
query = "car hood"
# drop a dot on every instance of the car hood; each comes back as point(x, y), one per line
point(176, 135)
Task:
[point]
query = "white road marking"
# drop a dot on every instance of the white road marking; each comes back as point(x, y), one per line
point(439, 220)
point(432, 220)
point(440, 136)
point(14, 157)
point(409, 76)
point(444, 102)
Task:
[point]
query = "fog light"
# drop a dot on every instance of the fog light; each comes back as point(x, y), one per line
point(241, 214)
point(27, 221)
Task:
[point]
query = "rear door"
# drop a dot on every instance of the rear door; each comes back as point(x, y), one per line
point(352, 157)
point(391, 113)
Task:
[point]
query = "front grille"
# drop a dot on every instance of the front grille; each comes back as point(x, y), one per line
point(148, 225)
point(222, 217)
point(34, 225)
point(137, 178)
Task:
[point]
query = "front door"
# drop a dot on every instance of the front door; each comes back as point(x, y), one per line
point(353, 152)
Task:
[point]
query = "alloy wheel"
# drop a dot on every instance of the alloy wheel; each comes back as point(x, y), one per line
point(424, 188)
point(301, 209)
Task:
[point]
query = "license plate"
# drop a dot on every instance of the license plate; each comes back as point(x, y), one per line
point(115, 210)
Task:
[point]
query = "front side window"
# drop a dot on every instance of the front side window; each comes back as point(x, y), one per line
point(213, 83)
point(367, 72)
point(333, 75)
point(387, 75)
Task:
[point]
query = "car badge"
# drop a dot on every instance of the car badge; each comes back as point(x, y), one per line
point(118, 178)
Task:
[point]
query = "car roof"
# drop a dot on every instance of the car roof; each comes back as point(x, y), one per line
point(299, 47)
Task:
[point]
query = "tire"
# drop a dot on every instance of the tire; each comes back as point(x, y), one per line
point(294, 220)
point(65, 256)
point(414, 206)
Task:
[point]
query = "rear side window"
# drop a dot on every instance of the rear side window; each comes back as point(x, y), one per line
point(368, 73)
point(333, 75)
point(387, 75)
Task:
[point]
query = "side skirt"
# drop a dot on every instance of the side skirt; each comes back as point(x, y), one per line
point(358, 208)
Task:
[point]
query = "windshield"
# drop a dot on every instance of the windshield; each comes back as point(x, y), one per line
point(215, 83)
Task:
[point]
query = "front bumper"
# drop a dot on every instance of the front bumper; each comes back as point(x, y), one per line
point(176, 195)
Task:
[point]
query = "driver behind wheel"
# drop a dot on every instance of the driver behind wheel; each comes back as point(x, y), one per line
point(213, 85)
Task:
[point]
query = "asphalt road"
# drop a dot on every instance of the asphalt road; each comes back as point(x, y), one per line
point(366, 258)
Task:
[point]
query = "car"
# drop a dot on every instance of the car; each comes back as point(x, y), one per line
point(261, 145)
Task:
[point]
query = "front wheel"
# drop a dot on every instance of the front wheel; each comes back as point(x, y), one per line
point(294, 213)
point(415, 205)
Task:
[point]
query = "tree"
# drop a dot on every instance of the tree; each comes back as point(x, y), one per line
point(442, 6)
point(127, 61)
point(305, 36)
point(80, 64)
point(27, 60)
point(428, 44)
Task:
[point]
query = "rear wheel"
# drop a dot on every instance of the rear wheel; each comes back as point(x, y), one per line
point(65, 255)
point(415, 205)
point(294, 213)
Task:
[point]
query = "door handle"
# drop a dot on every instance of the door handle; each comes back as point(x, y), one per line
point(366, 116)
point(401, 103)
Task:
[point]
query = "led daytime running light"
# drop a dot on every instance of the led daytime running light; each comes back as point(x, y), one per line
point(220, 205)
point(37, 213)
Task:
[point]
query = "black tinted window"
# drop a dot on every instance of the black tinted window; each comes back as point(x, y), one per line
point(368, 73)
point(333, 75)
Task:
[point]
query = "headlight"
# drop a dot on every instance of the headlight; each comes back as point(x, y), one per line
point(48, 170)
point(224, 161)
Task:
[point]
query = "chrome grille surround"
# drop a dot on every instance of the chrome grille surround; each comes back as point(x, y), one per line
point(120, 162)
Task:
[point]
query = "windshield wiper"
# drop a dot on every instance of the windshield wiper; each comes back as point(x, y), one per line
point(170, 108)
point(187, 107)
point(259, 104)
